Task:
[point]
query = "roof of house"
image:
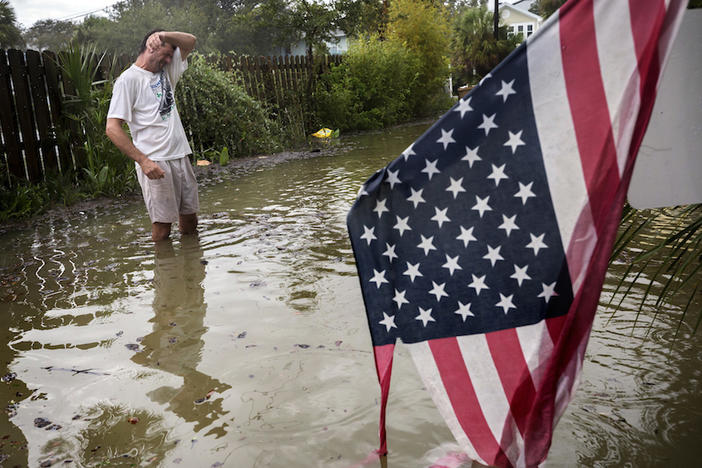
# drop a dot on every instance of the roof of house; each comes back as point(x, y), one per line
point(523, 5)
point(522, 11)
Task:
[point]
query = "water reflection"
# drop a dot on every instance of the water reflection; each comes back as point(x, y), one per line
point(175, 344)
point(13, 443)
point(104, 440)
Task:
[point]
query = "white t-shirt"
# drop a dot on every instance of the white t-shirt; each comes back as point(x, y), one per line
point(146, 101)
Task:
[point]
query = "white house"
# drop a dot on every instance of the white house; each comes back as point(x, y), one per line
point(339, 45)
point(518, 19)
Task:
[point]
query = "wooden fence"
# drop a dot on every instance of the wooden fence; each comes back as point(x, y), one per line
point(266, 78)
point(32, 92)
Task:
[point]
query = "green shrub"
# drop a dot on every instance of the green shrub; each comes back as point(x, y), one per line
point(220, 114)
point(370, 89)
point(22, 201)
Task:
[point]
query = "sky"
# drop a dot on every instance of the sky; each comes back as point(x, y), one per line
point(29, 11)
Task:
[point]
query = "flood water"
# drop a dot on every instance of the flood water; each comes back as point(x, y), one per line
point(249, 346)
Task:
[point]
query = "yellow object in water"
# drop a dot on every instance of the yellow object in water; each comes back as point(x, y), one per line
point(323, 133)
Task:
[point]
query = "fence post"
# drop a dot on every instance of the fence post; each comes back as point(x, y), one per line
point(47, 142)
point(10, 132)
point(23, 103)
point(54, 93)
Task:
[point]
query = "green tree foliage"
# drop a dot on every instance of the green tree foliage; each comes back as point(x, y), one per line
point(220, 113)
point(423, 28)
point(258, 28)
point(475, 50)
point(250, 27)
point(50, 34)
point(546, 8)
point(95, 30)
point(362, 17)
point(10, 33)
point(316, 22)
point(130, 20)
point(371, 88)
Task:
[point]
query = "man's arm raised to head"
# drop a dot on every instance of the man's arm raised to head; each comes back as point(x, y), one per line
point(184, 41)
point(121, 140)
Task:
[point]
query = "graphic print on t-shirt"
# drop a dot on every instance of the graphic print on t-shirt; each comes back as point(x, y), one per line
point(164, 93)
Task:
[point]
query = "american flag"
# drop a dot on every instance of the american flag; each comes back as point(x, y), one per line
point(484, 245)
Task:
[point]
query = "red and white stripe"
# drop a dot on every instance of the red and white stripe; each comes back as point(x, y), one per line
point(602, 61)
point(593, 68)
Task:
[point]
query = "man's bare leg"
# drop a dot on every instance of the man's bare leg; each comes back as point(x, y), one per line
point(187, 224)
point(160, 231)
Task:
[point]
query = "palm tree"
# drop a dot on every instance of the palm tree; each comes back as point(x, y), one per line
point(476, 51)
point(10, 34)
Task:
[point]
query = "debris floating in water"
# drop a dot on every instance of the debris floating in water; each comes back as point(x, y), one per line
point(77, 371)
point(41, 422)
point(326, 133)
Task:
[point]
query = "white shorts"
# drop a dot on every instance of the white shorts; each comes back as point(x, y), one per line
point(174, 194)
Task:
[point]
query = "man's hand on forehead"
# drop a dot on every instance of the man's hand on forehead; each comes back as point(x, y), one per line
point(154, 42)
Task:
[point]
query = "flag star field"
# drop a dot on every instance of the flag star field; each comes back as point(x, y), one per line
point(461, 227)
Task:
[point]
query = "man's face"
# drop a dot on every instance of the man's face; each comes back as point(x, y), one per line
point(164, 55)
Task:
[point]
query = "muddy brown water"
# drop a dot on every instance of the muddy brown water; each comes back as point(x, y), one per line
point(248, 347)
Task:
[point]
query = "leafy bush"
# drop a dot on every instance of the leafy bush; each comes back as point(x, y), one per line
point(220, 114)
point(370, 89)
point(424, 29)
point(22, 201)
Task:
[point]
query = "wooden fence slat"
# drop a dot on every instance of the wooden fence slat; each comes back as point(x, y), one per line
point(260, 86)
point(8, 123)
point(281, 74)
point(286, 72)
point(23, 106)
point(244, 69)
point(268, 83)
point(277, 82)
point(295, 62)
point(47, 142)
point(53, 90)
point(255, 69)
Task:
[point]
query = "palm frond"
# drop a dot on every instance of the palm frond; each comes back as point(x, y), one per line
point(664, 248)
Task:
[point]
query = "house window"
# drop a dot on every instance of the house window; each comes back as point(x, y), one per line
point(520, 29)
point(530, 29)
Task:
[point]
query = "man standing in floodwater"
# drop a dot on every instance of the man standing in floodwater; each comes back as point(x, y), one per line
point(143, 96)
